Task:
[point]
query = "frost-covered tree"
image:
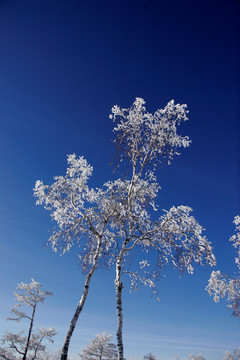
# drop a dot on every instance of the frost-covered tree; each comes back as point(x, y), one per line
point(52, 355)
point(144, 140)
point(111, 222)
point(100, 348)
point(7, 354)
point(82, 215)
point(220, 285)
point(150, 356)
point(30, 346)
point(196, 357)
point(36, 347)
point(235, 355)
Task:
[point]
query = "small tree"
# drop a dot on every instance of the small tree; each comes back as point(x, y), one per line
point(100, 348)
point(37, 346)
point(150, 356)
point(28, 295)
point(220, 285)
point(235, 355)
point(196, 357)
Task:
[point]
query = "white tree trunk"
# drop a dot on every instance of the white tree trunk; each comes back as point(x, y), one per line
point(64, 352)
point(119, 286)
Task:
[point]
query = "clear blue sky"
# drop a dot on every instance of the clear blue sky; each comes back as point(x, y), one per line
point(63, 65)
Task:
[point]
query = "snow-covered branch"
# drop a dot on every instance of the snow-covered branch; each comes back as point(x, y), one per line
point(220, 285)
point(27, 346)
point(143, 137)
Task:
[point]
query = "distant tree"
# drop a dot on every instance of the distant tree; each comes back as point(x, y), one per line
point(46, 355)
point(196, 357)
point(30, 346)
point(220, 285)
point(52, 355)
point(100, 348)
point(235, 355)
point(7, 354)
point(37, 346)
point(150, 356)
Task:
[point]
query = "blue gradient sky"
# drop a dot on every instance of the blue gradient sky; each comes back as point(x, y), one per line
point(63, 65)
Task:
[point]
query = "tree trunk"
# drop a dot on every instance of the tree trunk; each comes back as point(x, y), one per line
point(29, 333)
point(119, 286)
point(64, 353)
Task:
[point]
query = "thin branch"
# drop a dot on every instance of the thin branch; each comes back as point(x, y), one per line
point(12, 346)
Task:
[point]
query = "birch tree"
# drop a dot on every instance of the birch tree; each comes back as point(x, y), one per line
point(28, 295)
point(82, 217)
point(144, 140)
point(100, 348)
point(111, 222)
point(221, 285)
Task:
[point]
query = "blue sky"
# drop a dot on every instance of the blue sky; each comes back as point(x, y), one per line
point(63, 65)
